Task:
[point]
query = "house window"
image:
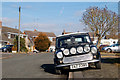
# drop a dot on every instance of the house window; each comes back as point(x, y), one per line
point(0, 31)
point(50, 38)
point(24, 36)
point(12, 35)
point(95, 38)
point(9, 35)
point(53, 39)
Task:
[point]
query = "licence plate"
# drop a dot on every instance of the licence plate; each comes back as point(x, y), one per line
point(80, 65)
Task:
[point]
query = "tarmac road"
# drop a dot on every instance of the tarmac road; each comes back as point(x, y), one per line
point(41, 66)
point(29, 66)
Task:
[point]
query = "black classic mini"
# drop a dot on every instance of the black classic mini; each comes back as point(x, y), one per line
point(75, 51)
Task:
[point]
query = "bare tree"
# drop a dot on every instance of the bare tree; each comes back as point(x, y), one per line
point(100, 21)
point(113, 33)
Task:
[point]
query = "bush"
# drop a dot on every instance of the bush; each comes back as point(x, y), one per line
point(24, 49)
point(22, 44)
point(14, 48)
point(42, 43)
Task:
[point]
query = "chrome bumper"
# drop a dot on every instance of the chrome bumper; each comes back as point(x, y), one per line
point(64, 65)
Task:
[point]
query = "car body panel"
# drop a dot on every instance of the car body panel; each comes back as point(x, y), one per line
point(7, 48)
point(75, 40)
point(114, 48)
point(90, 61)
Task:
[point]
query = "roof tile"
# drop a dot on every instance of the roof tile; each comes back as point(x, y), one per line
point(35, 33)
point(8, 29)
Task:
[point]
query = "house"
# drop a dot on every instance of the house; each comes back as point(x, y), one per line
point(111, 36)
point(109, 40)
point(64, 32)
point(33, 34)
point(9, 34)
point(92, 35)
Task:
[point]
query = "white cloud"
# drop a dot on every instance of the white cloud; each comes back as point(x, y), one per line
point(45, 27)
point(79, 13)
point(9, 21)
point(74, 27)
point(61, 11)
point(55, 28)
point(14, 6)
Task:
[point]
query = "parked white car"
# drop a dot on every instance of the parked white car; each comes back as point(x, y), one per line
point(112, 48)
point(35, 51)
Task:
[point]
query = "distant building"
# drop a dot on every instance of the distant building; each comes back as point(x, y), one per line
point(109, 41)
point(92, 35)
point(33, 34)
point(9, 34)
point(65, 32)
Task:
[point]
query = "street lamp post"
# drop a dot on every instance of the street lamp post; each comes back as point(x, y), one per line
point(19, 32)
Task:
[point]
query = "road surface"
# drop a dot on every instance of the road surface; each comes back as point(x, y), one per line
point(41, 66)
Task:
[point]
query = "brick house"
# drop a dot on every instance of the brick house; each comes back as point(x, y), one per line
point(92, 35)
point(109, 39)
point(33, 34)
point(9, 34)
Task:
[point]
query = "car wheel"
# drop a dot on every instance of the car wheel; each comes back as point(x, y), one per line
point(7, 51)
point(2, 50)
point(109, 50)
point(34, 52)
point(98, 65)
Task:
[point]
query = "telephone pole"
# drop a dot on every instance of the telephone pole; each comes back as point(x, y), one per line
point(19, 31)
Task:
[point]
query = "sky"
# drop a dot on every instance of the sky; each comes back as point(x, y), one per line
point(49, 16)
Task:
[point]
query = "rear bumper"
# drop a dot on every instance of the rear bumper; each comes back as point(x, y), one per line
point(67, 65)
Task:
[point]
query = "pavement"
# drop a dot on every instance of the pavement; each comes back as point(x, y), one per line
point(40, 65)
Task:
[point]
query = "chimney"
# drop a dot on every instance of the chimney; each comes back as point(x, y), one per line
point(63, 32)
point(24, 33)
point(35, 30)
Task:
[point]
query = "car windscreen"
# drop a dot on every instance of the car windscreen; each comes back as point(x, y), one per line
point(67, 40)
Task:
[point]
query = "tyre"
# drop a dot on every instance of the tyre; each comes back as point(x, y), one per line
point(34, 52)
point(98, 65)
point(7, 51)
point(109, 50)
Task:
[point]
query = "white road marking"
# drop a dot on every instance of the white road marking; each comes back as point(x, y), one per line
point(71, 76)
